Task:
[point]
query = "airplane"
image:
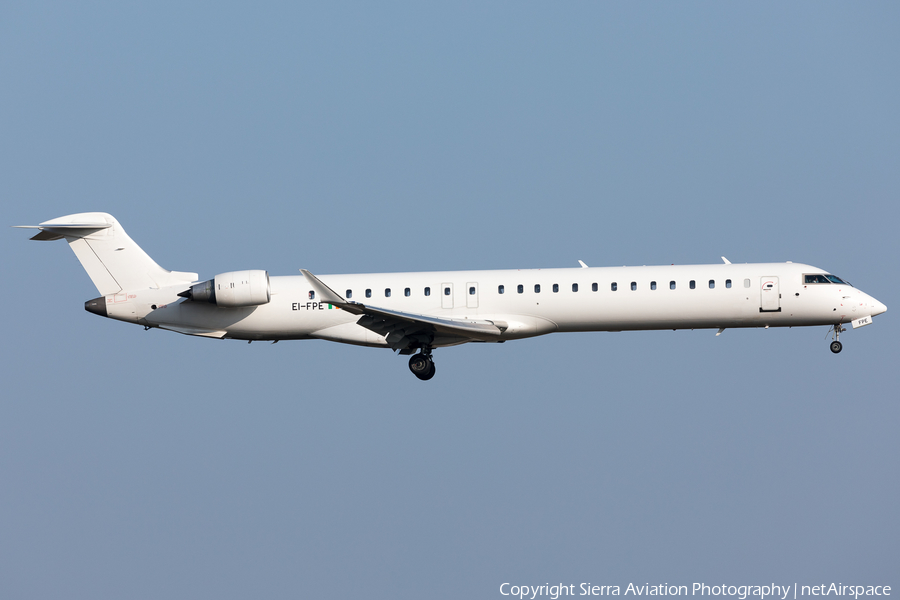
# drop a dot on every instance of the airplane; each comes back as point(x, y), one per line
point(414, 313)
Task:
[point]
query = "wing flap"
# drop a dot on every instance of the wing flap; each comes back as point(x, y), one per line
point(469, 327)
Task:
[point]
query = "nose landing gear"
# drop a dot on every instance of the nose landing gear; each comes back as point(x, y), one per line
point(836, 345)
point(422, 365)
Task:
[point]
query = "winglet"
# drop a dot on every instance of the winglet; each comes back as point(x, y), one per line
point(329, 296)
point(583, 266)
point(727, 262)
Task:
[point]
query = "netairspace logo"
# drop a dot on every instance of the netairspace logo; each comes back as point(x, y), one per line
point(741, 592)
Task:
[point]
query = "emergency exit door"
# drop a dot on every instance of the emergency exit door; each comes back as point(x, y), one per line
point(446, 295)
point(472, 295)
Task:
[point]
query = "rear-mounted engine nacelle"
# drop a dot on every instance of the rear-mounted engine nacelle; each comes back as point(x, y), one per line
point(238, 288)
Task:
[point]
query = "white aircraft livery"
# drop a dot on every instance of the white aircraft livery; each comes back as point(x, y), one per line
point(414, 313)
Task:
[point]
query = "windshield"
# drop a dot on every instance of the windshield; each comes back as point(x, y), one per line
point(836, 279)
point(823, 278)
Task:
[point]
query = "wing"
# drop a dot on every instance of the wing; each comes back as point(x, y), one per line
point(407, 330)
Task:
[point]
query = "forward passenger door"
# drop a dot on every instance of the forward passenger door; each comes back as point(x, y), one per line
point(769, 295)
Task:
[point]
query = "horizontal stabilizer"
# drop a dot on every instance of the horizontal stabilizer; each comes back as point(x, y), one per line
point(56, 231)
point(46, 236)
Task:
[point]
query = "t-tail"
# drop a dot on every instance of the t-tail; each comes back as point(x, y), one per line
point(112, 260)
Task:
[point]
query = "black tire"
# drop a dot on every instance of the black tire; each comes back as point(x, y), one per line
point(428, 375)
point(419, 365)
point(836, 347)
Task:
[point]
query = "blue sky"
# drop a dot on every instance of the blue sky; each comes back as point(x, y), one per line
point(355, 137)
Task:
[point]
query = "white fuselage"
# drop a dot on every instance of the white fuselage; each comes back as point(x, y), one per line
point(528, 302)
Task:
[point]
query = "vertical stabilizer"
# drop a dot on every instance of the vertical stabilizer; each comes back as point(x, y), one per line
point(112, 260)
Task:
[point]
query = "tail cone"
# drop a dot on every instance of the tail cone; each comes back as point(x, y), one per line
point(96, 306)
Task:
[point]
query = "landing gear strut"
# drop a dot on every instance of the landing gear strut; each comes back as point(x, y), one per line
point(422, 365)
point(836, 345)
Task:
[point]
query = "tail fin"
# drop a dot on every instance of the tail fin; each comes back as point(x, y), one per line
point(112, 260)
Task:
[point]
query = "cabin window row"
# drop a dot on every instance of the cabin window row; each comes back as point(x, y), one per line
point(614, 286)
point(501, 289)
point(387, 292)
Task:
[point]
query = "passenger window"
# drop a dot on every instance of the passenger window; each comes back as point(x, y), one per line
point(472, 291)
point(428, 291)
point(671, 285)
point(634, 286)
point(537, 288)
point(312, 295)
point(746, 283)
point(728, 283)
point(349, 294)
point(712, 284)
point(406, 292)
point(594, 287)
point(652, 285)
point(520, 288)
point(368, 293)
point(387, 292)
point(555, 288)
point(693, 284)
point(574, 287)
point(614, 286)
point(446, 291)
point(500, 289)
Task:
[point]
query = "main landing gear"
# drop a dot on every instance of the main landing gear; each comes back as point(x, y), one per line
point(422, 365)
point(836, 345)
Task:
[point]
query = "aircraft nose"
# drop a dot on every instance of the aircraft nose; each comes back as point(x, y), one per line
point(879, 307)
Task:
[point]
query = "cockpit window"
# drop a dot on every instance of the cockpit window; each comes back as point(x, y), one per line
point(823, 279)
point(815, 279)
point(836, 279)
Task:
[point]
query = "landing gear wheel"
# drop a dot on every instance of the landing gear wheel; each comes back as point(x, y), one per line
point(422, 365)
point(836, 345)
point(430, 373)
point(419, 365)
